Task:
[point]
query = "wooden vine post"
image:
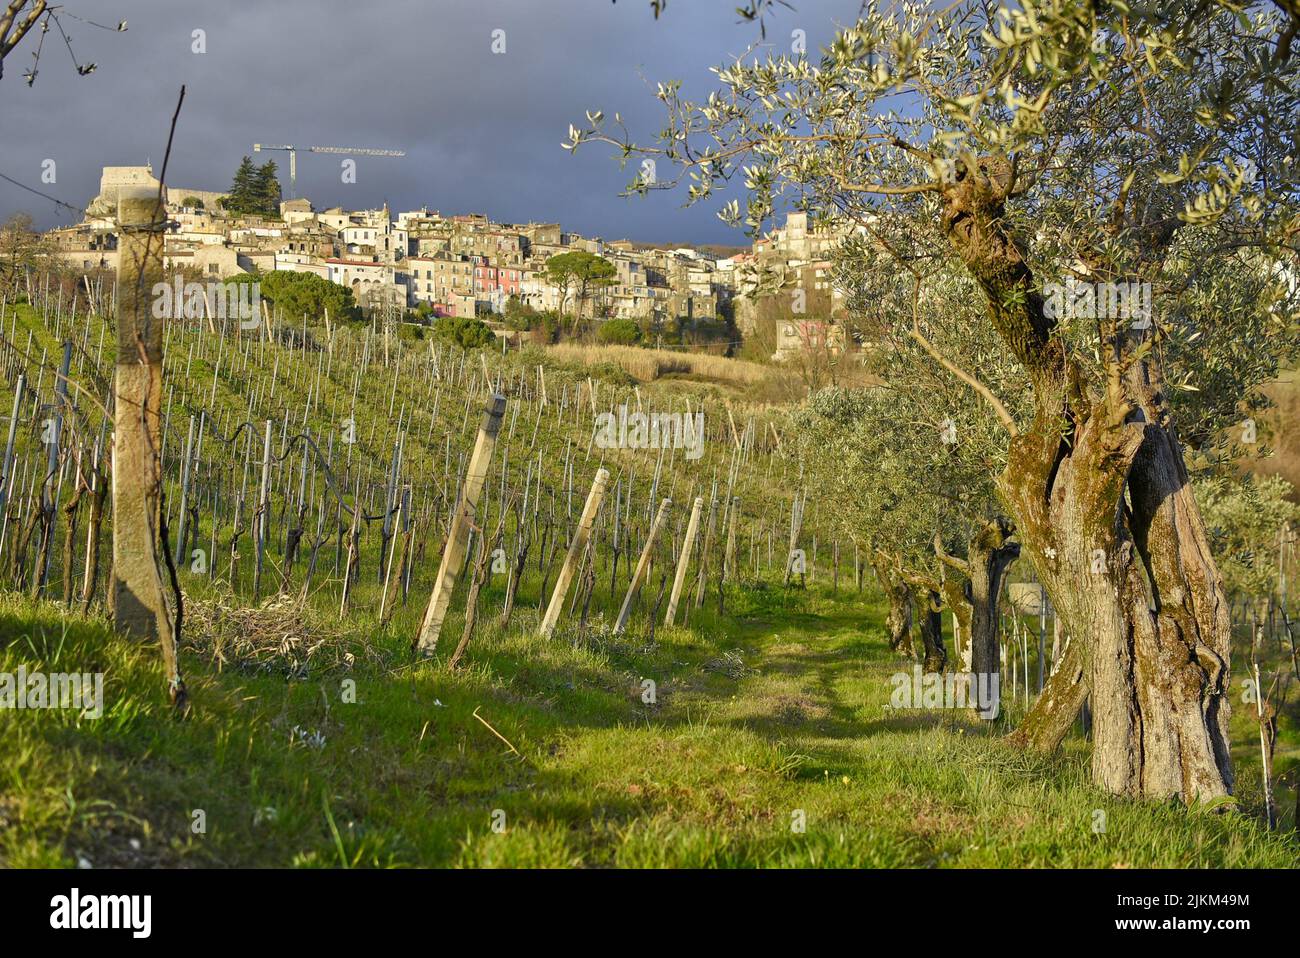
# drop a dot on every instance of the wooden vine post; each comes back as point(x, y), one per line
point(643, 565)
point(263, 513)
point(684, 561)
point(139, 608)
point(453, 554)
point(6, 468)
point(576, 550)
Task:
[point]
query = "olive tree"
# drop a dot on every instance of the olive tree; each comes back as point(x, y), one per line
point(1247, 519)
point(1097, 169)
point(911, 461)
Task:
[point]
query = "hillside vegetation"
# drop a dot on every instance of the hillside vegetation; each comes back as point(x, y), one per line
point(756, 730)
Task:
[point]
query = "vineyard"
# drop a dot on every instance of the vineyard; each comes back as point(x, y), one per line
point(429, 614)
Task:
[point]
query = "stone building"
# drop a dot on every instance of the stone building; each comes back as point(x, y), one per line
point(115, 178)
point(436, 279)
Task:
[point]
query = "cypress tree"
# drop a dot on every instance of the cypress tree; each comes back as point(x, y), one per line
point(267, 189)
point(243, 190)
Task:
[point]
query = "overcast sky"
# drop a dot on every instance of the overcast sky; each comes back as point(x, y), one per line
point(482, 131)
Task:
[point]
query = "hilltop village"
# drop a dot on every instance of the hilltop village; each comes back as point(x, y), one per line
point(467, 265)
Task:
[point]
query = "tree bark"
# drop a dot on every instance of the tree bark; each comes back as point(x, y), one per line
point(931, 628)
point(990, 555)
point(1105, 513)
point(1066, 689)
point(898, 621)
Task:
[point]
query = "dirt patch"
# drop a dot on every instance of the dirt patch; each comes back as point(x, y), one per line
point(933, 819)
point(731, 664)
point(799, 708)
point(791, 649)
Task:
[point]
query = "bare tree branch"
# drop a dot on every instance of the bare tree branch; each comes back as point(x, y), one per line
point(1000, 410)
point(10, 40)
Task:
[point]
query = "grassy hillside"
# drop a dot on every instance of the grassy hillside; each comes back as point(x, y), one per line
point(775, 714)
point(318, 739)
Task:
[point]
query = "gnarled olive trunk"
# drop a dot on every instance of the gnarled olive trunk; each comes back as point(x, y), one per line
point(989, 555)
point(1134, 584)
point(1104, 510)
point(955, 589)
point(1057, 705)
point(972, 588)
point(898, 622)
point(930, 622)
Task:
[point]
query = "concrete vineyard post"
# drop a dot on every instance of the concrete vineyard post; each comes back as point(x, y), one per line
point(137, 432)
point(263, 514)
point(48, 494)
point(139, 607)
point(6, 469)
point(185, 494)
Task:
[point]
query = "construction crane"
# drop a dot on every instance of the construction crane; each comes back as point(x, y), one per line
point(293, 156)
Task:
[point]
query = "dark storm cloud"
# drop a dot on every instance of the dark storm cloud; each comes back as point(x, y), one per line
point(482, 131)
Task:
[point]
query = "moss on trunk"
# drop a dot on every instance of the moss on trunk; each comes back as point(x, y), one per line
point(898, 621)
point(1131, 576)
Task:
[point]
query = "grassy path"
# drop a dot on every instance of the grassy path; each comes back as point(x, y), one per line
point(791, 727)
point(768, 741)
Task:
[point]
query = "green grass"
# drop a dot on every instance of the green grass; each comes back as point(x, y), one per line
point(773, 712)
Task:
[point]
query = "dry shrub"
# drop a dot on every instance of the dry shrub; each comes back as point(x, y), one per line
point(730, 663)
point(1284, 425)
point(648, 365)
point(276, 636)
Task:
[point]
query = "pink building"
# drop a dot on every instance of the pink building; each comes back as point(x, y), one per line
point(490, 280)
